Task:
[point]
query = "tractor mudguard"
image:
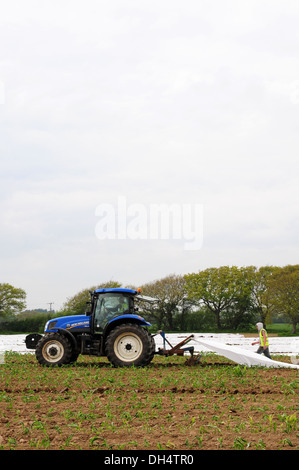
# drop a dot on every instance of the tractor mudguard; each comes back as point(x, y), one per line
point(69, 335)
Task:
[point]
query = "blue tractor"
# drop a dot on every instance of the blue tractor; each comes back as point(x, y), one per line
point(111, 328)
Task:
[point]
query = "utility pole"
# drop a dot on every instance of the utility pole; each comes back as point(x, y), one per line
point(50, 303)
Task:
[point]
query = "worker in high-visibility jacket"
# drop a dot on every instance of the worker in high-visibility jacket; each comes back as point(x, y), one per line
point(263, 341)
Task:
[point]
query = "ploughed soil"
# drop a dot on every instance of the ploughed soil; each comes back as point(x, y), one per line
point(91, 405)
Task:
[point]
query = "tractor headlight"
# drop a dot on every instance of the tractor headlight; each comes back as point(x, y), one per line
point(52, 325)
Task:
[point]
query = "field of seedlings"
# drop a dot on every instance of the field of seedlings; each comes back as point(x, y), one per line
point(166, 406)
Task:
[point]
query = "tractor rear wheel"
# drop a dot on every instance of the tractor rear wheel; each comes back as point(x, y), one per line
point(54, 349)
point(128, 345)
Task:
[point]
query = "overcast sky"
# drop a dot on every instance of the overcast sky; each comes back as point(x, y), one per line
point(151, 101)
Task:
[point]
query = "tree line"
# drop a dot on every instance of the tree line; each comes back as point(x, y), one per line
point(217, 298)
point(226, 297)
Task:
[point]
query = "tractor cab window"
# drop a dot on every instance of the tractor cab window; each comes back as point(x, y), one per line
point(109, 306)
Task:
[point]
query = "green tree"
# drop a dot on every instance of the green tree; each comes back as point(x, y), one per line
point(260, 293)
point(12, 300)
point(283, 293)
point(76, 305)
point(224, 291)
point(171, 293)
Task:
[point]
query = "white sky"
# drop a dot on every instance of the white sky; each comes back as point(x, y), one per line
point(192, 102)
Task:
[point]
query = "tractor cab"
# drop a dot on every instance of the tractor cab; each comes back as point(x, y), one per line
point(109, 304)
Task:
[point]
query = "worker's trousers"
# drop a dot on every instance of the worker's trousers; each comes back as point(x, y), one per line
point(265, 351)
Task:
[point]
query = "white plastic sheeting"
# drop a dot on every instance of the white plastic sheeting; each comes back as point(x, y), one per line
point(14, 343)
point(242, 356)
point(238, 348)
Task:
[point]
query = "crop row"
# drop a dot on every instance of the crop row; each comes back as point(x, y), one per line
point(164, 406)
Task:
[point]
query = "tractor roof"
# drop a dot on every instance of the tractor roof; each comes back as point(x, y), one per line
point(119, 290)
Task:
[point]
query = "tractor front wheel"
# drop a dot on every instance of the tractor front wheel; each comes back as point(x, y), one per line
point(129, 345)
point(54, 349)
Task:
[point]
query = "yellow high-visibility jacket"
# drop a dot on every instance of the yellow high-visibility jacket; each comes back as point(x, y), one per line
point(262, 338)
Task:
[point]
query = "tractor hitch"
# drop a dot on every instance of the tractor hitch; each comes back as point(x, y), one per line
point(178, 349)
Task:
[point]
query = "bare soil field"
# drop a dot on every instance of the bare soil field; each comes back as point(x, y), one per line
point(216, 405)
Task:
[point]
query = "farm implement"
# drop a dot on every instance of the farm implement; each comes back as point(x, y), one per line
point(177, 349)
point(111, 327)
